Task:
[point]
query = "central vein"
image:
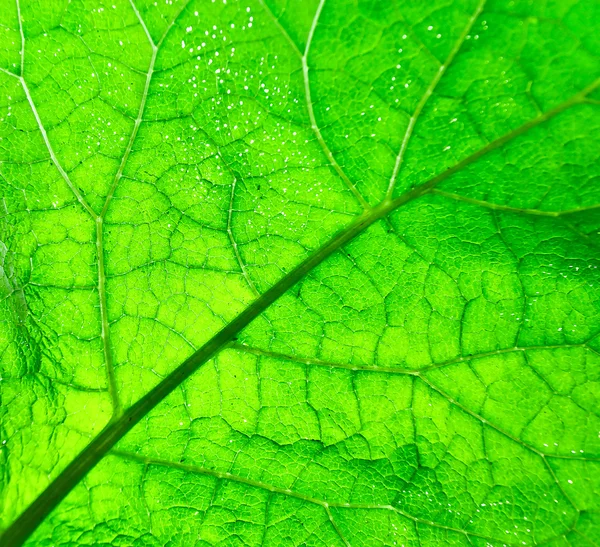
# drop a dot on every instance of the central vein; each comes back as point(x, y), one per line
point(21, 528)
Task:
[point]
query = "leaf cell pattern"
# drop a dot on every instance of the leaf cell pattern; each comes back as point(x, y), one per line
point(292, 273)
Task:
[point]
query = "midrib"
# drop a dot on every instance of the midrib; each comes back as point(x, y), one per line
point(16, 534)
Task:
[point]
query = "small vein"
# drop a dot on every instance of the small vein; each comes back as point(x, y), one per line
point(104, 324)
point(229, 229)
point(281, 29)
point(313, 120)
point(143, 23)
point(586, 538)
point(234, 244)
point(140, 114)
point(484, 421)
point(587, 237)
point(419, 374)
point(572, 457)
point(335, 526)
point(559, 485)
point(578, 98)
point(139, 118)
point(394, 369)
point(518, 210)
point(112, 388)
point(53, 157)
point(9, 73)
point(22, 52)
point(289, 493)
point(428, 92)
point(105, 333)
point(318, 362)
point(24, 525)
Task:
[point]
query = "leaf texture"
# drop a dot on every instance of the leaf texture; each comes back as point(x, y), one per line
point(300, 273)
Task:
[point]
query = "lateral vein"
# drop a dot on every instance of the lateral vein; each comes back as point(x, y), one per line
point(518, 210)
point(428, 92)
point(313, 119)
point(16, 534)
point(327, 505)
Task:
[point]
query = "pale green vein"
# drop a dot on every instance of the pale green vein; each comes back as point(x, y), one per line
point(327, 505)
point(99, 219)
point(518, 210)
point(560, 487)
point(28, 521)
point(419, 374)
point(581, 234)
point(78, 195)
point(140, 114)
point(230, 234)
point(335, 526)
point(99, 250)
point(233, 242)
point(106, 343)
point(303, 56)
point(8, 73)
point(508, 435)
point(104, 326)
point(485, 421)
point(311, 113)
point(22, 52)
point(428, 92)
point(397, 369)
point(586, 538)
point(281, 29)
point(112, 387)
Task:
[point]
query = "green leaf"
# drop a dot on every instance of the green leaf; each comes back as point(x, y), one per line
point(294, 273)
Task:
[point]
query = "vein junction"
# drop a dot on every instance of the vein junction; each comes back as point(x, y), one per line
point(125, 419)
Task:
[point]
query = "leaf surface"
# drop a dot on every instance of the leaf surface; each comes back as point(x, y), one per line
point(300, 273)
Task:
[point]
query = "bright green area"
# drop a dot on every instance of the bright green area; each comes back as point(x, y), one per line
point(436, 381)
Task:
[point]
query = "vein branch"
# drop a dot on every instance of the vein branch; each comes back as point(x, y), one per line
point(518, 210)
point(105, 333)
point(335, 525)
point(419, 373)
point(112, 387)
point(281, 29)
point(327, 505)
point(559, 485)
point(311, 113)
point(9, 73)
point(78, 195)
point(578, 98)
point(139, 117)
point(395, 369)
point(428, 92)
point(513, 438)
point(233, 242)
point(105, 327)
point(17, 533)
point(22, 52)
